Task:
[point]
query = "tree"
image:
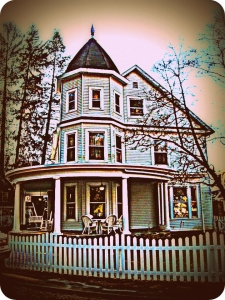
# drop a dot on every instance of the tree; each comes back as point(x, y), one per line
point(10, 49)
point(56, 64)
point(170, 123)
point(31, 70)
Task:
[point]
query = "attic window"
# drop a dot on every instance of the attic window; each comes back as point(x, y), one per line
point(135, 85)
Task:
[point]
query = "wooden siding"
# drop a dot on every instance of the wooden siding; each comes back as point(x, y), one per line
point(68, 85)
point(207, 210)
point(142, 204)
point(138, 157)
point(96, 81)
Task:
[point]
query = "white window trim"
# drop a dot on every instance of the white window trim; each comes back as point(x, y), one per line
point(153, 157)
point(87, 131)
point(65, 202)
point(101, 97)
point(65, 146)
point(128, 106)
point(88, 195)
point(120, 102)
point(67, 100)
point(122, 147)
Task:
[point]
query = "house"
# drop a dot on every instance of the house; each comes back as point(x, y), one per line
point(94, 171)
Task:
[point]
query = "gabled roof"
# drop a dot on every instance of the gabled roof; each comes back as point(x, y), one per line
point(162, 90)
point(92, 55)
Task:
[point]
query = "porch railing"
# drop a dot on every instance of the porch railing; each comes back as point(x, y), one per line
point(196, 258)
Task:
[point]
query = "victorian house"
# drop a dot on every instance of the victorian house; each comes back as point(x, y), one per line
point(94, 171)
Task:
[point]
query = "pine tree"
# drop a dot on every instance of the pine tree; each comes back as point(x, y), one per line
point(56, 64)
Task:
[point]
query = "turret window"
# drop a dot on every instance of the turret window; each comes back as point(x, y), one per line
point(71, 100)
point(118, 149)
point(96, 98)
point(96, 149)
point(70, 147)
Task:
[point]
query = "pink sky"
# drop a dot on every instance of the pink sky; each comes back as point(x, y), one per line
point(131, 32)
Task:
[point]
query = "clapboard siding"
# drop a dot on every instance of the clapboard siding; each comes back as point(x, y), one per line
point(135, 156)
point(96, 81)
point(68, 85)
point(142, 204)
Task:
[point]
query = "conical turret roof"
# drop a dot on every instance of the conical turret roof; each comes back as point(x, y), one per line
point(92, 55)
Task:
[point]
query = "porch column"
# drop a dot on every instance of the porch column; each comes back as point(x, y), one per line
point(16, 218)
point(125, 206)
point(162, 205)
point(167, 211)
point(57, 214)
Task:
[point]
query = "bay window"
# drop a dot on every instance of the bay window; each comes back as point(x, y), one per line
point(96, 148)
point(96, 98)
point(118, 149)
point(70, 145)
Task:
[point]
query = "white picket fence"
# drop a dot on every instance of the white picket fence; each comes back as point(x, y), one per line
point(198, 258)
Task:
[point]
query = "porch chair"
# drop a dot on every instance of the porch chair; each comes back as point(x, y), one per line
point(89, 225)
point(119, 224)
point(108, 224)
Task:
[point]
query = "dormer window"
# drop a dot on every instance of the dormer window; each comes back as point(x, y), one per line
point(136, 107)
point(135, 85)
point(71, 100)
point(96, 98)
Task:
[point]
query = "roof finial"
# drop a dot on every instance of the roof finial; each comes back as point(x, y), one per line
point(92, 31)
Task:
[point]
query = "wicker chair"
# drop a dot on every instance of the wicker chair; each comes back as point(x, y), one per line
point(108, 224)
point(89, 225)
point(119, 224)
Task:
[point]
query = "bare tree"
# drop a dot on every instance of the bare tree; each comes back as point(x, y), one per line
point(170, 123)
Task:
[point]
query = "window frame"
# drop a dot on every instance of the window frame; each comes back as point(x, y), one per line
point(66, 134)
point(88, 195)
point(105, 151)
point(189, 202)
point(154, 152)
point(122, 148)
point(135, 84)
point(130, 107)
point(120, 103)
point(67, 100)
point(91, 89)
point(70, 184)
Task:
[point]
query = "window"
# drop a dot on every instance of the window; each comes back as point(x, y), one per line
point(71, 147)
point(97, 201)
point(117, 103)
point(135, 85)
point(160, 153)
point(70, 206)
point(96, 98)
point(136, 107)
point(184, 202)
point(71, 100)
point(96, 146)
point(118, 149)
point(4, 196)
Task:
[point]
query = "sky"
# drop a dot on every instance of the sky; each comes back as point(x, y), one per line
point(131, 32)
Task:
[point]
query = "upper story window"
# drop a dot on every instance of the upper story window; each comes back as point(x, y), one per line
point(118, 149)
point(117, 103)
point(160, 153)
point(96, 98)
point(136, 107)
point(96, 149)
point(135, 85)
point(71, 100)
point(71, 146)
